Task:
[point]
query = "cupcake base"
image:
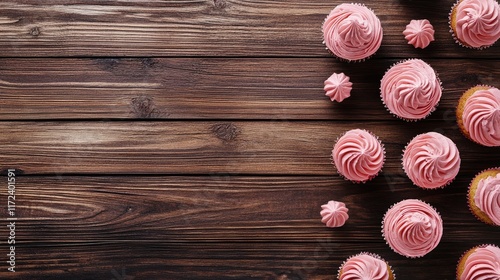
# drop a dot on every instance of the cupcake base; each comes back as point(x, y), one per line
point(480, 215)
point(461, 107)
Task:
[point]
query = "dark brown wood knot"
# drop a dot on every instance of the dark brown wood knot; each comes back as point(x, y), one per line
point(225, 131)
point(144, 107)
point(220, 4)
point(35, 31)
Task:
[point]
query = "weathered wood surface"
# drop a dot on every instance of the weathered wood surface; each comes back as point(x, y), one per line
point(193, 88)
point(223, 208)
point(205, 28)
point(318, 260)
point(181, 147)
point(192, 139)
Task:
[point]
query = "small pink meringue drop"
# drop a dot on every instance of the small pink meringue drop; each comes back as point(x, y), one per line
point(419, 33)
point(338, 87)
point(334, 214)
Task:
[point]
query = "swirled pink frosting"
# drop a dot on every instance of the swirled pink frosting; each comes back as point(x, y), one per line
point(431, 160)
point(482, 264)
point(358, 155)
point(364, 266)
point(487, 197)
point(481, 117)
point(334, 214)
point(352, 32)
point(338, 87)
point(477, 22)
point(419, 33)
point(412, 228)
point(411, 89)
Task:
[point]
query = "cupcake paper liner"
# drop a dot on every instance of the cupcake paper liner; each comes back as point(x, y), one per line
point(399, 117)
point(369, 254)
point(406, 173)
point(338, 57)
point(383, 220)
point(371, 177)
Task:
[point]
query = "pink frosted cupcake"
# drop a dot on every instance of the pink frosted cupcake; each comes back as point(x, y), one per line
point(365, 266)
point(419, 33)
point(358, 155)
point(411, 89)
point(352, 32)
point(334, 214)
point(478, 115)
point(484, 196)
point(412, 228)
point(480, 263)
point(338, 87)
point(431, 160)
point(475, 23)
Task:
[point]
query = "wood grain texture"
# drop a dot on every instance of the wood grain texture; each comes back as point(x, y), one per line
point(189, 88)
point(192, 139)
point(318, 260)
point(205, 28)
point(268, 147)
point(223, 208)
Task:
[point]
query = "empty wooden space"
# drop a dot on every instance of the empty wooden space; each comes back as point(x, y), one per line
point(192, 139)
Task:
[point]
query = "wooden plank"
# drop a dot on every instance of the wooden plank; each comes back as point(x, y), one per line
point(205, 28)
point(186, 88)
point(222, 208)
point(318, 260)
point(270, 147)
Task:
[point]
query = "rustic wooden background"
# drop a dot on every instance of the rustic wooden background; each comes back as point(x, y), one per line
point(191, 139)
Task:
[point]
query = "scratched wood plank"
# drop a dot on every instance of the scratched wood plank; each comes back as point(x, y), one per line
point(221, 208)
point(192, 88)
point(205, 28)
point(267, 147)
point(318, 260)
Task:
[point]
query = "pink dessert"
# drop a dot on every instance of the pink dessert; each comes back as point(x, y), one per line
point(358, 155)
point(431, 160)
point(338, 87)
point(334, 214)
point(487, 197)
point(480, 263)
point(411, 89)
point(419, 33)
point(475, 23)
point(412, 228)
point(352, 32)
point(365, 266)
point(481, 117)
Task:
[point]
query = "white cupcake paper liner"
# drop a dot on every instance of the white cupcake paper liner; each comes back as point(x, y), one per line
point(369, 254)
point(402, 118)
point(371, 177)
point(383, 220)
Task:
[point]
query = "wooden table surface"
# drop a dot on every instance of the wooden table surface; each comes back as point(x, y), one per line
point(191, 139)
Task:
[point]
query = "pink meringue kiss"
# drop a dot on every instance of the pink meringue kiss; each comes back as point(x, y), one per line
point(411, 89)
point(419, 33)
point(358, 155)
point(431, 160)
point(334, 214)
point(352, 32)
point(365, 266)
point(475, 23)
point(412, 228)
point(338, 87)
